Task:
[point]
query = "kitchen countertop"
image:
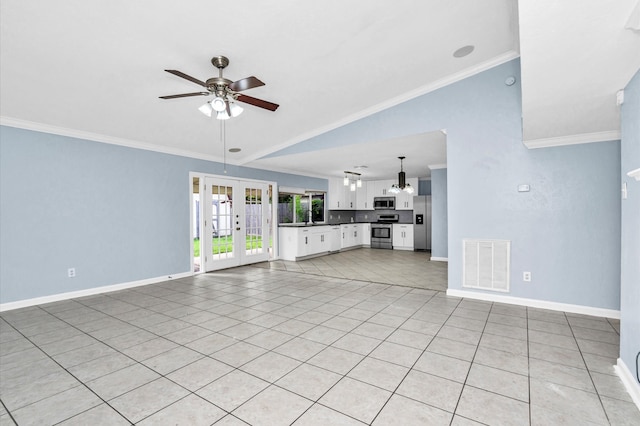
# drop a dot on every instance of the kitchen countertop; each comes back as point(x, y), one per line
point(302, 225)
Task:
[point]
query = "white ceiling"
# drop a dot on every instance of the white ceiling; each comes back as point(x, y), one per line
point(95, 70)
point(575, 56)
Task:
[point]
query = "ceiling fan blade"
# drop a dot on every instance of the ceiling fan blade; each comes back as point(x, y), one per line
point(245, 83)
point(258, 102)
point(187, 77)
point(184, 95)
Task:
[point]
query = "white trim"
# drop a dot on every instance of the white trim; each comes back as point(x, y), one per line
point(439, 259)
point(437, 166)
point(469, 72)
point(89, 292)
point(95, 137)
point(610, 135)
point(629, 381)
point(634, 174)
point(535, 303)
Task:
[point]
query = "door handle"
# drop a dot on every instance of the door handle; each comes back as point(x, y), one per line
point(237, 229)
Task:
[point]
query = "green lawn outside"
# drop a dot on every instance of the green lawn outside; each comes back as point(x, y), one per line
point(225, 244)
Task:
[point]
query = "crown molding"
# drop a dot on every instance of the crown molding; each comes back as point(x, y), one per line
point(96, 137)
point(433, 86)
point(437, 166)
point(607, 136)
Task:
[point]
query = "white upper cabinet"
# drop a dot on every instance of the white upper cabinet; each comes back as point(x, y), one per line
point(340, 196)
point(381, 188)
point(404, 200)
point(364, 196)
point(336, 194)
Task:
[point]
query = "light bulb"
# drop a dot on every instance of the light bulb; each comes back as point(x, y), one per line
point(346, 181)
point(235, 109)
point(352, 187)
point(206, 109)
point(359, 183)
point(395, 189)
point(218, 104)
point(222, 115)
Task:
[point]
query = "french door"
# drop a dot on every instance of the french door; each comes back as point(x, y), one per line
point(236, 223)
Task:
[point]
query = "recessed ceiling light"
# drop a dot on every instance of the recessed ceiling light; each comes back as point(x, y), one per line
point(360, 167)
point(463, 51)
point(234, 150)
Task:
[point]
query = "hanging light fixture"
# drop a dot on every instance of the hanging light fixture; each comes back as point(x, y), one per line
point(351, 180)
point(206, 109)
point(219, 106)
point(402, 185)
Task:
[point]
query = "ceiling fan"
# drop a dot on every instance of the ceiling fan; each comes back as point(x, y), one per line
point(226, 92)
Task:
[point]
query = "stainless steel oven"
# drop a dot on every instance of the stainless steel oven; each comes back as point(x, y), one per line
point(382, 231)
point(382, 235)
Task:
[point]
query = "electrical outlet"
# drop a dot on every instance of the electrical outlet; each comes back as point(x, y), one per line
point(71, 272)
point(526, 277)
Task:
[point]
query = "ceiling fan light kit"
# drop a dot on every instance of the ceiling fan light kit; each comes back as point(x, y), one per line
point(218, 104)
point(226, 92)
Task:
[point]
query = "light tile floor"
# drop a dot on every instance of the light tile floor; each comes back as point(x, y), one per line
point(261, 346)
point(406, 268)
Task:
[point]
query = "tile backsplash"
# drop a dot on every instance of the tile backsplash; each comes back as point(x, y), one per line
point(347, 216)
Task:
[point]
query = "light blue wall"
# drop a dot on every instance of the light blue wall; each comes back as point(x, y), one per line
point(566, 230)
point(630, 276)
point(439, 222)
point(116, 214)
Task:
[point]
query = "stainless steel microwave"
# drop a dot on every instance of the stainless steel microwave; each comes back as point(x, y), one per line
point(384, 203)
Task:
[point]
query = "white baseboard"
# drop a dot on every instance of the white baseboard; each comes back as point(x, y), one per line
point(535, 303)
point(629, 381)
point(439, 259)
point(88, 292)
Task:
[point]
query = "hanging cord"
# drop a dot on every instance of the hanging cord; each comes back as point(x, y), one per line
point(223, 140)
point(637, 372)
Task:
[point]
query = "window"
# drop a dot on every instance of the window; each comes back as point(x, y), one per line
point(301, 208)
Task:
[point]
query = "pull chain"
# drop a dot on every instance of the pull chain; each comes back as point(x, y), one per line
point(223, 140)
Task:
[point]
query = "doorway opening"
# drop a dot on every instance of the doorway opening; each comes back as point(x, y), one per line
point(231, 222)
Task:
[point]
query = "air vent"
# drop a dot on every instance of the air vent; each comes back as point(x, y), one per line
point(486, 264)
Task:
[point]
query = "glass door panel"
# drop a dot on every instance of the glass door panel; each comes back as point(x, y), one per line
point(220, 224)
point(237, 217)
point(256, 223)
point(196, 223)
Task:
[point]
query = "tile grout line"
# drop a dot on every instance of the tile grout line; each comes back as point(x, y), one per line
point(606, 415)
point(67, 371)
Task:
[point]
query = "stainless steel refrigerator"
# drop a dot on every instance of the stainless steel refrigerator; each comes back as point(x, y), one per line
point(422, 222)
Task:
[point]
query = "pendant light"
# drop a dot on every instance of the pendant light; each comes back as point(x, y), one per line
point(402, 185)
point(353, 180)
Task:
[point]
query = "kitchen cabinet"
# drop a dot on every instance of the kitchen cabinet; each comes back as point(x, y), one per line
point(381, 188)
point(340, 196)
point(350, 235)
point(404, 200)
point(320, 241)
point(402, 236)
point(304, 241)
point(364, 234)
point(364, 196)
point(336, 238)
